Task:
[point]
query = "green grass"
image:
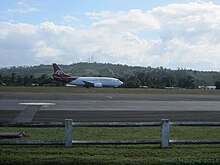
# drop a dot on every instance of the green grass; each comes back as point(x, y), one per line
point(108, 90)
point(113, 154)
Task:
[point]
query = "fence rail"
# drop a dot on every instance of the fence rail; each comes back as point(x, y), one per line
point(69, 140)
point(195, 123)
point(35, 124)
point(106, 124)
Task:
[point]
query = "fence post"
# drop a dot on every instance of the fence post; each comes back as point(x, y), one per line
point(68, 132)
point(165, 133)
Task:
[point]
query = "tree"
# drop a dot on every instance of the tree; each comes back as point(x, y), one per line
point(186, 82)
point(20, 81)
point(26, 81)
point(168, 81)
point(1, 83)
point(43, 79)
point(12, 79)
point(217, 84)
point(132, 82)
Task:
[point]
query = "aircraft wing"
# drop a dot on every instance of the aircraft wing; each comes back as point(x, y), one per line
point(93, 84)
point(88, 83)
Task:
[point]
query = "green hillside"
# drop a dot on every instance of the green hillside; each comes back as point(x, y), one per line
point(132, 76)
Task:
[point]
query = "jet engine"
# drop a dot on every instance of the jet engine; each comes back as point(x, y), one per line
point(98, 85)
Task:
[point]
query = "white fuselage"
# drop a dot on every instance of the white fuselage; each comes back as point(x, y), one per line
point(97, 81)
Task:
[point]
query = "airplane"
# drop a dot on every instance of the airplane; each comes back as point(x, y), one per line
point(97, 82)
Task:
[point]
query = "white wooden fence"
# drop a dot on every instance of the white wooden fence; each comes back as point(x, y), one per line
point(69, 141)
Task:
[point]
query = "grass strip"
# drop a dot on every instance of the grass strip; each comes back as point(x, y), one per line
point(108, 90)
point(114, 154)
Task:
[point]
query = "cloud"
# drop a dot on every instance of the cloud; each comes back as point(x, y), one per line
point(190, 34)
point(23, 8)
point(70, 18)
point(134, 20)
point(104, 15)
point(184, 35)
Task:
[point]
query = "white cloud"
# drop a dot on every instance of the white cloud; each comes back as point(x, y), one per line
point(104, 15)
point(22, 7)
point(186, 35)
point(42, 50)
point(190, 33)
point(134, 20)
point(70, 18)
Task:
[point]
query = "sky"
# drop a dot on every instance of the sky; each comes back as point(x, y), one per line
point(169, 33)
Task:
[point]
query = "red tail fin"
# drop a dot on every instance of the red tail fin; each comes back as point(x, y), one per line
point(59, 75)
point(58, 71)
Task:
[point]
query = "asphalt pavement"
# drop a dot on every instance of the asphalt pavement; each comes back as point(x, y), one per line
point(107, 107)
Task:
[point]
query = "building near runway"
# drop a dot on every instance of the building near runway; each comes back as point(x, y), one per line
point(207, 87)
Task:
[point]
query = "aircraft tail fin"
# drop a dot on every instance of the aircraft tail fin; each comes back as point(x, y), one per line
point(59, 75)
point(58, 71)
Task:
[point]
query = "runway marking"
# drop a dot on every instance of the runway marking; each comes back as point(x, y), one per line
point(40, 104)
point(109, 97)
point(27, 115)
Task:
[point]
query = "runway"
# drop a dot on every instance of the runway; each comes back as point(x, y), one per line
point(108, 107)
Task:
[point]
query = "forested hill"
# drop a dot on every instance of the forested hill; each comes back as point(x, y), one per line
point(133, 76)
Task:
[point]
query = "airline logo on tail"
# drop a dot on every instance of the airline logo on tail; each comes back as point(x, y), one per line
point(58, 72)
point(59, 75)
